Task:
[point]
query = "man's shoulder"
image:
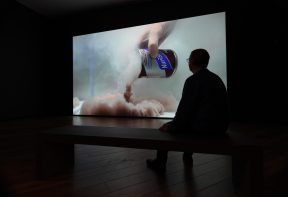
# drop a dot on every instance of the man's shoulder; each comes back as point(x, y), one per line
point(203, 75)
point(211, 74)
point(189, 79)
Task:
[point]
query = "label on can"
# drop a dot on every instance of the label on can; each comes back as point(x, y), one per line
point(156, 67)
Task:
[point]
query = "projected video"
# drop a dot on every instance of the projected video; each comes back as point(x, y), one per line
point(140, 71)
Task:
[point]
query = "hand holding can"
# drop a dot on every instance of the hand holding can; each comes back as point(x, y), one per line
point(154, 35)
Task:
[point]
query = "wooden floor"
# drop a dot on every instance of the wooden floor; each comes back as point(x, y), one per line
point(109, 171)
point(114, 171)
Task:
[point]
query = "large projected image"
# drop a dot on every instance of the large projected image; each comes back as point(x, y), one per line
point(140, 71)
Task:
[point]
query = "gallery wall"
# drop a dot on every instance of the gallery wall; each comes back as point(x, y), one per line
point(34, 60)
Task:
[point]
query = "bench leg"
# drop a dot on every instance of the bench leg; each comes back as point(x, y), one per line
point(54, 159)
point(247, 175)
point(257, 176)
point(239, 173)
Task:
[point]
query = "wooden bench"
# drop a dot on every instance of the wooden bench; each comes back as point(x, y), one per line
point(248, 145)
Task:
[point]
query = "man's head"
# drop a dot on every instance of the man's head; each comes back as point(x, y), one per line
point(199, 59)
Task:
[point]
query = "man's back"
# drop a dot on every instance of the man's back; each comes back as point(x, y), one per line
point(203, 107)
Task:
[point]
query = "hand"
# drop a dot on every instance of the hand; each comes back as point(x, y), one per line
point(165, 127)
point(128, 93)
point(155, 34)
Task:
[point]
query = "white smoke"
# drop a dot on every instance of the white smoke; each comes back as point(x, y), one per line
point(123, 61)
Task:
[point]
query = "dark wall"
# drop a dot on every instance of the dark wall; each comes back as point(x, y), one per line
point(37, 55)
point(257, 50)
point(34, 60)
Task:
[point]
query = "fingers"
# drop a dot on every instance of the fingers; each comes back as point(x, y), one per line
point(128, 93)
point(150, 41)
point(153, 46)
point(154, 35)
point(143, 41)
point(164, 128)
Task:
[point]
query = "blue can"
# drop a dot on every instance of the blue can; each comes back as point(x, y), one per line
point(163, 66)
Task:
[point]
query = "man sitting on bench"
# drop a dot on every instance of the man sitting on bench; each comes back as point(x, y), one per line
point(203, 108)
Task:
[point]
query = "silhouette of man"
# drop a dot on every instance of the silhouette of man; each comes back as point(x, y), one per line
point(203, 108)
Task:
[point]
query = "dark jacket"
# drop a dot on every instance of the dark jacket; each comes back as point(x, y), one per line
point(203, 107)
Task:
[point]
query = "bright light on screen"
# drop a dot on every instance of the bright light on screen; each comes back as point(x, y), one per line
point(107, 66)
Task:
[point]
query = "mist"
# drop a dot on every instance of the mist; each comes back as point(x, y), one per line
point(106, 61)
